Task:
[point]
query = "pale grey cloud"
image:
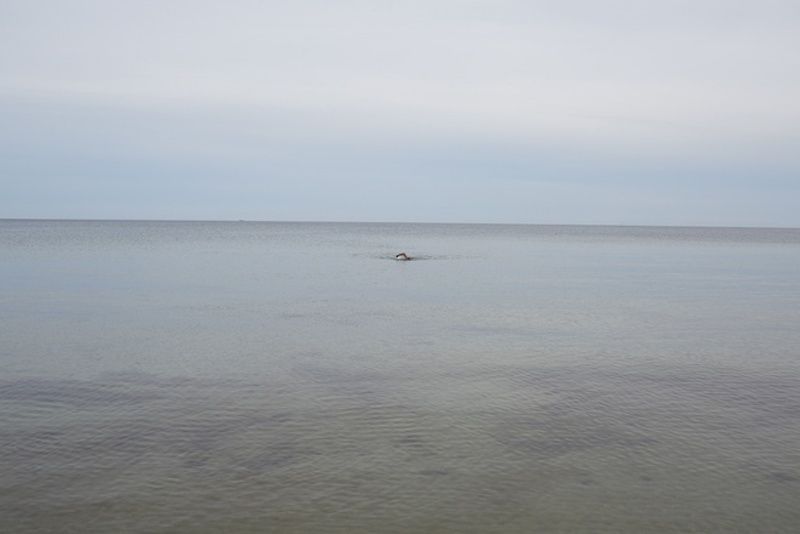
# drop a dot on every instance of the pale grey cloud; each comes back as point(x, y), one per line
point(662, 112)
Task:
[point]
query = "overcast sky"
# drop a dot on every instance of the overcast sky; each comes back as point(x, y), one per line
point(682, 112)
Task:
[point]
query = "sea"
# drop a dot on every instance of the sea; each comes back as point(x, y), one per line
point(205, 377)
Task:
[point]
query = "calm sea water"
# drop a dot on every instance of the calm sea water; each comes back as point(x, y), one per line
point(254, 377)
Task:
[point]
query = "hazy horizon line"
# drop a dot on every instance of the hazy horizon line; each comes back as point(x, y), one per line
point(451, 223)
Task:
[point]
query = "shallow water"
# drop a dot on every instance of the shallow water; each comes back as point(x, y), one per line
point(250, 377)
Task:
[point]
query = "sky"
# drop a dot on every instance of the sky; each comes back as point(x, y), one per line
point(673, 112)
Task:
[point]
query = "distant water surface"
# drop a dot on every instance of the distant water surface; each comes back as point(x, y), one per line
point(292, 377)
